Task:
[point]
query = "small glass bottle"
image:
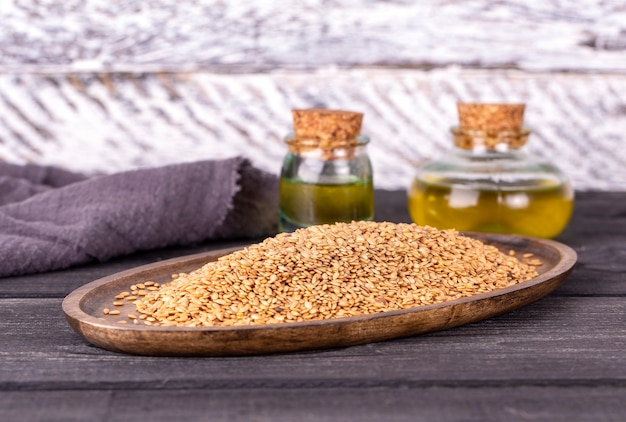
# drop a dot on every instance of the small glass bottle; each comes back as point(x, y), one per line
point(487, 184)
point(326, 175)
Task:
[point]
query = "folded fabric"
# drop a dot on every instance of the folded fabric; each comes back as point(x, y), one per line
point(21, 182)
point(52, 219)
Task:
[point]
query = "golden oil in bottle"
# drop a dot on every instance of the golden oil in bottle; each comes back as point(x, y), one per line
point(305, 204)
point(326, 175)
point(487, 184)
point(541, 211)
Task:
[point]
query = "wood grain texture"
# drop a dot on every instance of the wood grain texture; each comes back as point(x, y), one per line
point(114, 122)
point(392, 404)
point(101, 86)
point(172, 35)
point(575, 341)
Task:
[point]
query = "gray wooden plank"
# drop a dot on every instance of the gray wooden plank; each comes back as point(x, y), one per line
point(598, 234)
point(198, 34)
point(59, 283)
point(556, 341)
point(484, 404)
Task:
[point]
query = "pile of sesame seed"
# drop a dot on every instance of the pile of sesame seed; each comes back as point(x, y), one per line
point(332, 271)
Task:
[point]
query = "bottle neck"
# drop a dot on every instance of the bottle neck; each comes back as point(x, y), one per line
point(480, 141)
point(327, 149)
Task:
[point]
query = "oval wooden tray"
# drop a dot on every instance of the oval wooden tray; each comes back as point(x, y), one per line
point(83, 310)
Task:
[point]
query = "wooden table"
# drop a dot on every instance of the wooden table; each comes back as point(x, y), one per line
point(562, 358)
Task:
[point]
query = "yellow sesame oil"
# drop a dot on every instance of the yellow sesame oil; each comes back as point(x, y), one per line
point(542, 210)
point(305, 204)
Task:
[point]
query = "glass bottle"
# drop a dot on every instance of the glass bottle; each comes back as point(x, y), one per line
point(487, 184)
point(326, 176)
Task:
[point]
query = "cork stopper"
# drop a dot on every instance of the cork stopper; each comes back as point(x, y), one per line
point(492, 126)
point(491, 117)
point(334, 132)
point(326, 125)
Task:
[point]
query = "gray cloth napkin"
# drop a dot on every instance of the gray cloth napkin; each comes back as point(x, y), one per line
point(52, 219)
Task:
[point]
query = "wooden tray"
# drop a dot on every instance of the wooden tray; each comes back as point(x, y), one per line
point(83, 310)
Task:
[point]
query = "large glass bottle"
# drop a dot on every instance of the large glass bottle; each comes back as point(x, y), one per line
point(487, 184)
point(326, 175)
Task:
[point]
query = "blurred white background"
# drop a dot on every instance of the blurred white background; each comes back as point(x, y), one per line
point(103, 86)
